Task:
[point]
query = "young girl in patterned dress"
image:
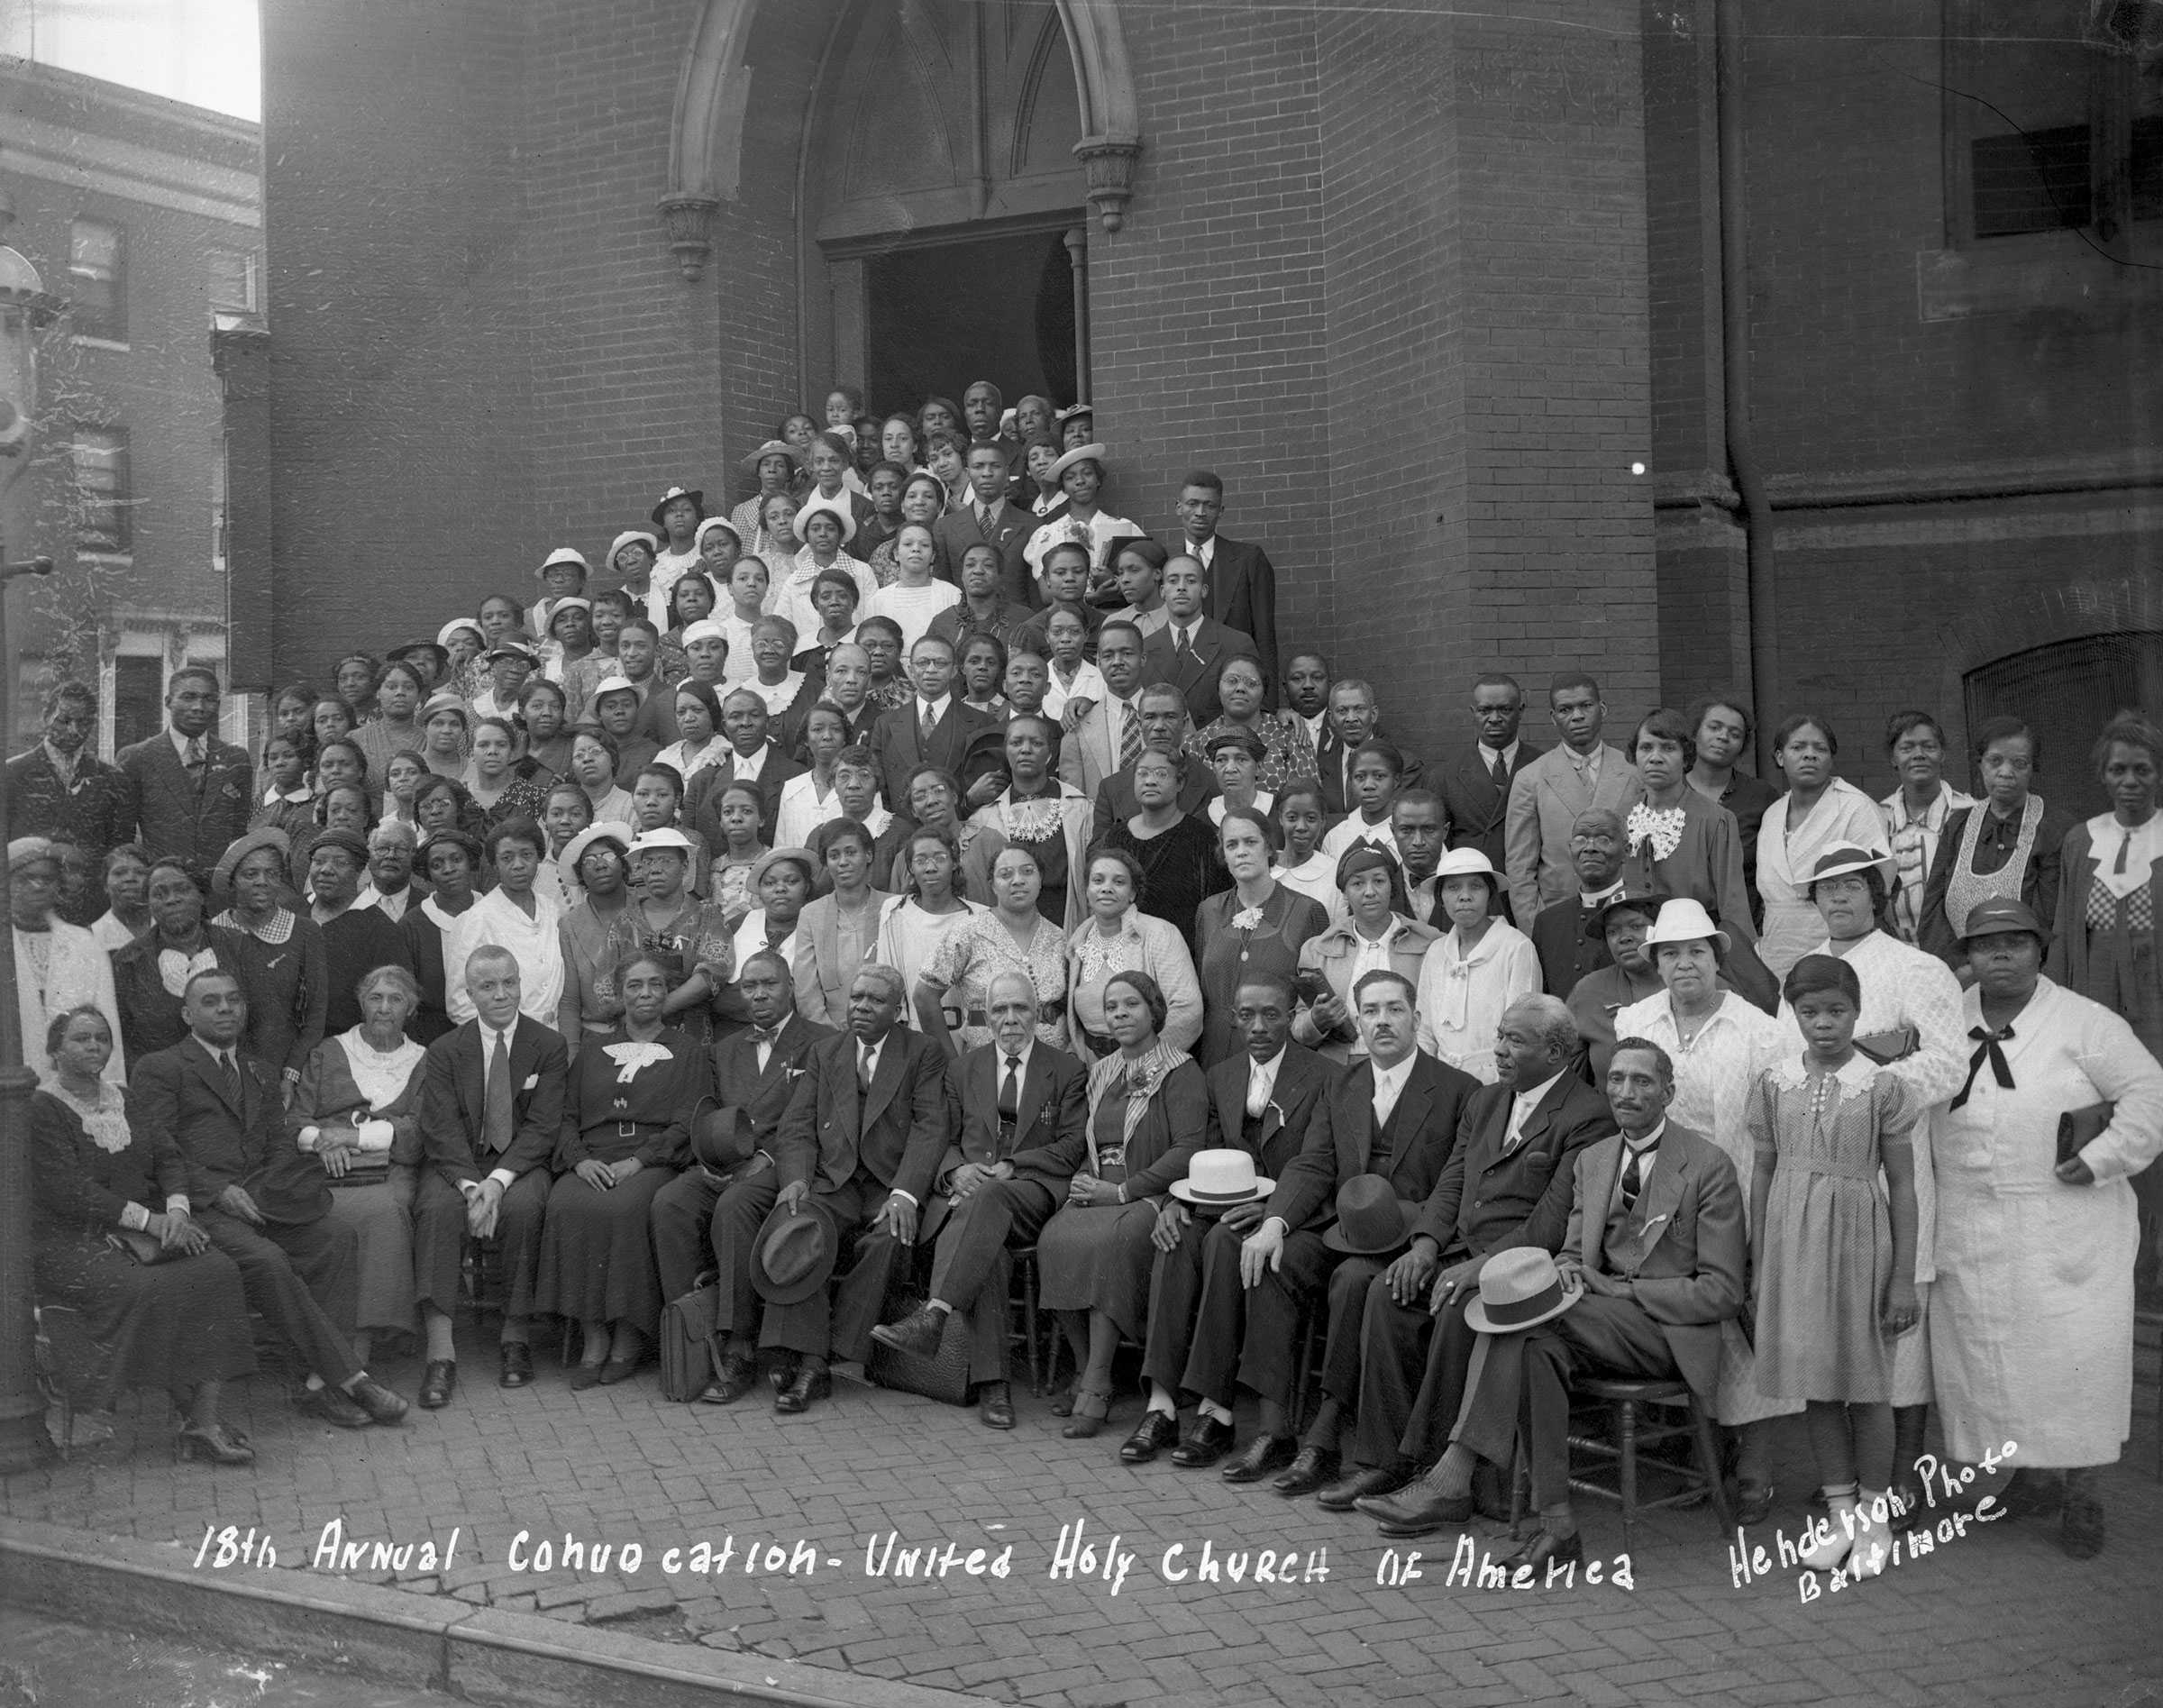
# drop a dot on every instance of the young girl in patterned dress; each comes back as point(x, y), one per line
point(1832, 1224)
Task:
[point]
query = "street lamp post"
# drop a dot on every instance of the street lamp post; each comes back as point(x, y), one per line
point(24, 307)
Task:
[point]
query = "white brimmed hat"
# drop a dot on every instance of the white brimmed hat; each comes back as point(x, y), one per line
point(611, 685)
point(632, 536)
point(664, 840)
point(771, 448)
point(1847, 857)
point(563, 554)
point(818, 504)
point(1684, 920)
point(1089, 452)
point(1519, 1288)
point(1218, 1179)
point(609, 829)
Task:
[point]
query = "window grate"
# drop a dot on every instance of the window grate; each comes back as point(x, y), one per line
point(2032, 181)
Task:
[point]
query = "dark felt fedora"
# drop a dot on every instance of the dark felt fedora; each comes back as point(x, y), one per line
point(724, 1139)
point(794, 1256)
point(1372, 1220)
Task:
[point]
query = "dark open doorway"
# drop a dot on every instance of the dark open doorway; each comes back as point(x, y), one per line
point(996, 308)
point(2066, 692)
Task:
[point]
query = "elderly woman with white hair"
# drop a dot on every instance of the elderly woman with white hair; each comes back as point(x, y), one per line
point(59, 966)
point(357, 1109)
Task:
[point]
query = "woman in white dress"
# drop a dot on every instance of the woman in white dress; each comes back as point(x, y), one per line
point(59, 966)
point(1819, 811)
point(1475, 970)
point(1080, 476)
point(914, 925)
point(2031, 1318)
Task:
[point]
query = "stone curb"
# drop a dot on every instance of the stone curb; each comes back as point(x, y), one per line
point(484, 1654)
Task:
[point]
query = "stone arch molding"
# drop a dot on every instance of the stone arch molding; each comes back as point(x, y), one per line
point(713, 94)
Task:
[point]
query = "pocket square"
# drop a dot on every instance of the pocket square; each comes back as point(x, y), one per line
point(531, 1080)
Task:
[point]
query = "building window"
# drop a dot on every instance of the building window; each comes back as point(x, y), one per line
point(221, 518)
point(138, 698)
point(97, 280)
point(104, 492)
point(233, 279)
point(2054, 118)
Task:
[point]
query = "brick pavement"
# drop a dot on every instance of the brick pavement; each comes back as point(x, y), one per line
point(1997, 1615)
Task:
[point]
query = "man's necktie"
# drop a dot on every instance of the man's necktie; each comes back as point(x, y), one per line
point(864, 1067)
point(1986, 1050)
point(1130, 734)
point(1633, 1174)
point(762, 1039)
point(2125, 848)
point(1178, 640)
point(232, 1076)
point(1009, 1091)
point(197, 757)
point(1257, 1095)
point(925, 724)
point(497, 1122)
point(1499, 772)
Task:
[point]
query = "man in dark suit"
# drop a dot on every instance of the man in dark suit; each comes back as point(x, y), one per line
point(192, 792)
point(934, 727)
point(756, 1069)
point(1506, 1183)
point(1355, 718)
point(1190, 650)
point(1242, 581)
point(1395, 1115)
point(1655, 1243)
point(849, 687)
point(1474, 785)
point(1024, 1115)
point(1564, 934)
point(61, 789)
point(1164, 726)
point(492, 1112)
point(988, 519)
point(249, 1188)
point(1263, 1101)
point(859, 1144)
point(753, 757)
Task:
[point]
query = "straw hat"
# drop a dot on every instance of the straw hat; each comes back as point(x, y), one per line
point(1685, 920)
point(1519, 1288)
point(1218, 1179)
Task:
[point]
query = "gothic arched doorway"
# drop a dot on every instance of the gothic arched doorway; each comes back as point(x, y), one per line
point(944, 206)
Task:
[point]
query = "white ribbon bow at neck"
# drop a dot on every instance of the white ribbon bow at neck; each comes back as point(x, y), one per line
point(629, 1057)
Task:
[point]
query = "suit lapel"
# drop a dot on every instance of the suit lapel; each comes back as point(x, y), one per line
point(1599, 1195)
point(1661, 1193)
point(1036, 1083)
point(1360, 1087)
point(1407, 1119)
point(207, 1071)
point(885, 1077)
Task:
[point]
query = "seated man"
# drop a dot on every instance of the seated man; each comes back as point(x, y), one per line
point(492, 1112)
point(1506, 1183)
point(1655, 1244)
point(1563, 933)
point(1024, 1106)
point(757, 1068)
point(1261, 1100)
point(1396, 1116)
point(248, 1189)
point(859, 1144)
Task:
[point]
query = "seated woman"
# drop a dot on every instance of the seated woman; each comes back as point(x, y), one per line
point(1376, 937)
point(626, 1130)
point(149, 976)
point(357, 1108)
point(914, 925)
point(280, 959)
point(1116, 937)
point(1011, 935)
point(1474, 971)
point(1254, 929)
point(1148, 1106)
point(1175, 851)
point(450, 860)
point(180, 1324)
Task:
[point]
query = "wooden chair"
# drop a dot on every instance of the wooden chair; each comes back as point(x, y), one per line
point(1627, 1400)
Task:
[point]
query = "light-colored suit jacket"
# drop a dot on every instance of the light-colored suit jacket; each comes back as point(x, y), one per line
point(1545, 800)
point(1091, 753)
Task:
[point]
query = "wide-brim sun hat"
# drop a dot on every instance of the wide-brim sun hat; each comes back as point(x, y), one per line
point(695, 494)
point(818, 504)
point(1520, 1288)
point(574, 851)
point(1848, 858)
point(771, 448)
point(1685, 920)
point(1081, 453)
point(563, 554)
point(632, 536)
point(1218, 1179)
point(241, 848)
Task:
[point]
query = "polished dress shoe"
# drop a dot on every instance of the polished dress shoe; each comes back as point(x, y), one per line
point(738, 1377)
point(1421, 1508)
point(587, 1375)
point(1208, 1441)
point(810, 1383)
point(995, 1406)
point(379, 1402)
point(517, 1365)
point(334, 1406)
point(1753, 1502)
point(617, 1370)
point(1157, 1431)
point(1368, 1480)
point(1310, 1469)
point(1264, 1454)
point(439, 1381)
point(1545, 1549)
point(917, 1334)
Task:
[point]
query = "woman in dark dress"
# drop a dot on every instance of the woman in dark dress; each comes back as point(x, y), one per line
point(355, 940)
point(180, 1324)
point(150, 975)
point(450, 860)
point(1254, 929)
point(1176, 851)
point(282, 968)
point(1148, 1105)
point(626, 1131)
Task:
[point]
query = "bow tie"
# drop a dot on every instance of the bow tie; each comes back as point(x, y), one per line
point(1986, 1050)
point(761, 1035)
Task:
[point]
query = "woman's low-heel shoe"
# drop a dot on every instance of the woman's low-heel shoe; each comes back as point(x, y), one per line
point(587, 1375)
point(1091, 1410)
point(1753, 1502)
point(218, 1444)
